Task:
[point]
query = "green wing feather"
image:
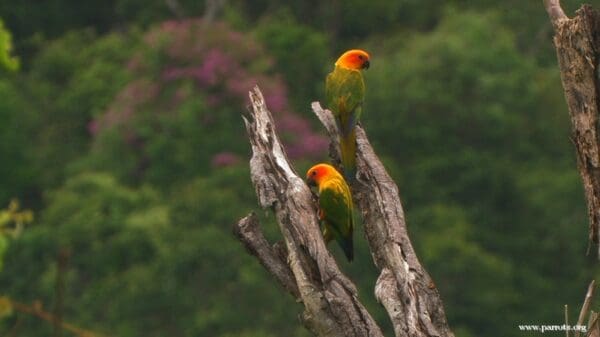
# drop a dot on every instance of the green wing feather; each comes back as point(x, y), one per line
point(345, 90)
point(335, 203)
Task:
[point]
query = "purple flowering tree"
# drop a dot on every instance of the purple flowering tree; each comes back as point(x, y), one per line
point(180, 110)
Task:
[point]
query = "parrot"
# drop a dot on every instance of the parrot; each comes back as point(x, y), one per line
point(345, 93)
point(335, 206)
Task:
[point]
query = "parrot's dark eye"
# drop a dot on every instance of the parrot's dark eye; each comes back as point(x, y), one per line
point(361, 57)
point(314, 173)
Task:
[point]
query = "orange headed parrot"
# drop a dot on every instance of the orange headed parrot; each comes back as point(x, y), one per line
point(335, 206)
point(345, 90)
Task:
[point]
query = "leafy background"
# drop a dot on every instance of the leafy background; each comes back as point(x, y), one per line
point(121, 131)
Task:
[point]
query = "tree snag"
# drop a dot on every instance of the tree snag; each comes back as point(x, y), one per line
point(404, 288)
point(577, 44)
point(306, 269)
point(329, 297)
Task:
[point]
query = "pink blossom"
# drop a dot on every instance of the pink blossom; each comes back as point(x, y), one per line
point(171, 74)
point(239, 86)
point(277, 100)
point(215, 63)
point(314, 145)
point(224, 159)
point(93, 127)
point(293, 123)
point(214, 66)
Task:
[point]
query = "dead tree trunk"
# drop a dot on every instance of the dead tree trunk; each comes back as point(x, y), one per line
point(577, 43)
point(403, 287)
point(304, 266)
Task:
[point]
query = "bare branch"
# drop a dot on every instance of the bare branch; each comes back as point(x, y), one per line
point(37, 311)
point(585, 308)
point(329, 297)
point(593, 327)
point(248, 232)
point(567, 319)
point(577, 45)
point(386, 292)
point(403, 287)
point(555, 12)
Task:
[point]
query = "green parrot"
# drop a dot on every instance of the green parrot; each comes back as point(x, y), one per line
point(335, 206)
point(345, 91)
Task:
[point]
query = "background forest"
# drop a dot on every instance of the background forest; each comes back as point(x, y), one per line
point(121, 130)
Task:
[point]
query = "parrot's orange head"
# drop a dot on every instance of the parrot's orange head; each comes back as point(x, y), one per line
point(317, 173)
point(355, 59)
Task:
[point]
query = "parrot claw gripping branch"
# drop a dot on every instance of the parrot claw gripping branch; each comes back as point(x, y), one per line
point(306, 269)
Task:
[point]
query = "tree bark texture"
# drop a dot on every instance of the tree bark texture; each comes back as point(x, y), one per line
point(577, 45)
point(404, 288)
point(331, 305)
point(304, 266)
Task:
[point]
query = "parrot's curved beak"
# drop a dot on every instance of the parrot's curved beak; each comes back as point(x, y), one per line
point(310, 182)
point(366, 64)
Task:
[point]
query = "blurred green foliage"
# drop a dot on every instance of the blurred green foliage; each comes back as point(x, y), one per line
point(280, 34)
point(122, 131)
point(12, 221)
point(7, 61)
point(72, 80)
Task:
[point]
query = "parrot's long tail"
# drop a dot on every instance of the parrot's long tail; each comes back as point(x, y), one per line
point(348, 152)
point(347, 246)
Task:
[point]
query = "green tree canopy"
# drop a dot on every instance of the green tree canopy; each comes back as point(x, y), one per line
point(7, 61)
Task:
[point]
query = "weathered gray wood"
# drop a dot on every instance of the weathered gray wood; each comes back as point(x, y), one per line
point(403, 287)
point(248, 232)
point(585, 308)
point(576, 42)
point(331, 306)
